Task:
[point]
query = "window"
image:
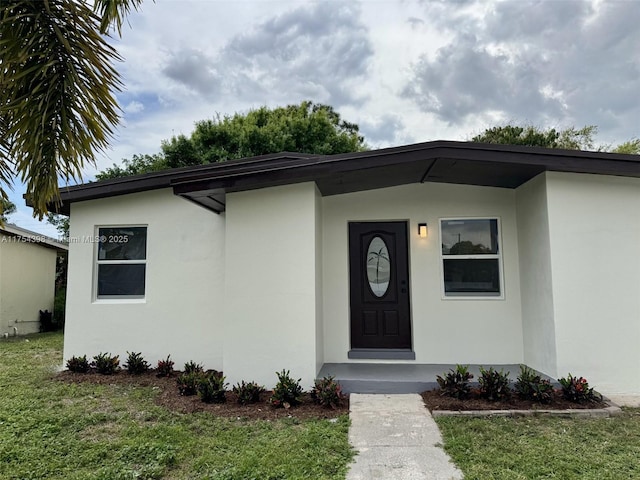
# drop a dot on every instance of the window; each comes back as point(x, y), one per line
point(471, 260)
point(121, 262)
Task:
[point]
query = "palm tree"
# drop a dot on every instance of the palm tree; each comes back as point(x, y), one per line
point(57, 86)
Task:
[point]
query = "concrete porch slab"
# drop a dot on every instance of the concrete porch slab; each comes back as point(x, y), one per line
point(399, 377)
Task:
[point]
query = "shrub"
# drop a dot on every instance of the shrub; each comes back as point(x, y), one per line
point(288, 392)
point(165, 367)
point(78, 364)
point(136, 364)
point(59, 303)
point(193, 367)
point(531, 386)
point(577, 390)
point(327, 392)
point(188, 383)
point(494, 385)
point(212, 388)
point(248, 392)
point(456, 382)
point(105, 364)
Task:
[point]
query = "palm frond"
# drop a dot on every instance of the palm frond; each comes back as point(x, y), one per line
point(57, 84)
point(114, 12)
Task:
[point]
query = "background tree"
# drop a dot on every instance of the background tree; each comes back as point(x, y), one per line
point(57, 84)
point(569, 138)
point(305, 128)
point(7, 207)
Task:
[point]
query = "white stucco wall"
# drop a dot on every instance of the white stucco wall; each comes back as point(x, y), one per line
point(594, 225)
point(271, 291)
point(183, 307)
point(27, 284)
point(486, 330)
point(536, 281)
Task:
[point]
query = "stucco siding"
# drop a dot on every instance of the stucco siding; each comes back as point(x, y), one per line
point(271, 290)
point(536, 282)
point(486, 330)
point(183, 307)
point(594, 228)
point(27, 284)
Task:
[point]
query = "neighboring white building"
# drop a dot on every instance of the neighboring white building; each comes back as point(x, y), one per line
point(297, 261)
point(27, 278)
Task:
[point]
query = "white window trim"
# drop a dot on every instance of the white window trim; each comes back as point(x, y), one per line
point(488, 256)
point(112, 299)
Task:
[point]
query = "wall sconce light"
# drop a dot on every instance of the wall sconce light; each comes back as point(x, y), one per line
point(422, 230)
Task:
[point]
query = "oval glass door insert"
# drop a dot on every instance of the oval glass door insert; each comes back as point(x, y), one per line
point(378, 266)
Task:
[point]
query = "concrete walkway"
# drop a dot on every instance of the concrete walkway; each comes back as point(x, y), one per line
point(396, 438)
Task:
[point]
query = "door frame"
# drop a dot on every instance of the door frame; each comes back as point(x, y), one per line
point(404, 353)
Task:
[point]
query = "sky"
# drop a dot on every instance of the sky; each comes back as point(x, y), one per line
point(404, 71)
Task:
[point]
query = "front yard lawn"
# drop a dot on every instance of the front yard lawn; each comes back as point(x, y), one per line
point(545, 447)
point(58, 430)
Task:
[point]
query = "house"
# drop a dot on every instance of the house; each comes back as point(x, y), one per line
point(429, 254)
point(27, 278)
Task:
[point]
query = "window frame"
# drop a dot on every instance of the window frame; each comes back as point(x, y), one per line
point(97, 262)
point(482, 256)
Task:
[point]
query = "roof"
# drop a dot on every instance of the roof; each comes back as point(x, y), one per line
point(27, 236)
point(505, 166)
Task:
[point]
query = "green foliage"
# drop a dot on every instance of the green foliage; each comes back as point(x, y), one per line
point(164, 368)
point(192, 367)
point(248, 392)
point(287, 392)
point(327, 392)
point(136, 364)
point(7, 207)
point(54, 429)
point(105, 364)
point(137, 165)
point(577, 390)
point(61, 222)
point(57, 90)
point(570, 138)
point(188, 382)
point(59, 306)
point(455, 383)
point(532, 386)
point(305, 128)
point(494, 385)
point(631, 147)
point(78, 364)
point(211, 388)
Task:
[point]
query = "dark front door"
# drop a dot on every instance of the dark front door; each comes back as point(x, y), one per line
point(379, 284)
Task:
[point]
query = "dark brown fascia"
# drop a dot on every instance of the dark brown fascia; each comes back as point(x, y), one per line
point(287, 167)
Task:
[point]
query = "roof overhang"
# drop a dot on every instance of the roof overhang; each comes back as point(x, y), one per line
point(27, 236)
point(467, 163)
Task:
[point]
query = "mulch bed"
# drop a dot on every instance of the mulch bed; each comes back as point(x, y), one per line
point(169, 398)
point(435, 401)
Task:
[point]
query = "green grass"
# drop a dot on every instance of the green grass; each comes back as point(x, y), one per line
point(54, 430)
point(545, 447)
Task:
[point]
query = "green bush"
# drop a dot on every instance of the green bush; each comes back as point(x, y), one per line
point(78, 364)
point(212, 388)
point(455, 383)
point(105, 364)
point(59, 304)
point(327, 392)
point(577, 390)
point(165, 367)
point(248, 392)
point(193, 367)
point(494, 385)
point(188, 383)
point(287, 392)
point(532, 386)
point(136, 365)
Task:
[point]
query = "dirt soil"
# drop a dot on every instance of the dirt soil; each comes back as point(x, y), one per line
point(169, 398)
point(435, 401)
